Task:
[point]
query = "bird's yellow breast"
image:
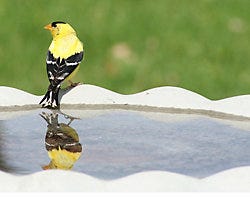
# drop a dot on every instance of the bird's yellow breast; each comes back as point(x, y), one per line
point(65, 46)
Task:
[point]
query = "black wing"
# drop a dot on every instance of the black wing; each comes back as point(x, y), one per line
point(59, 69)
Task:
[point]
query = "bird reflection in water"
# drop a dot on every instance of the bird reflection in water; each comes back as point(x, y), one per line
point(61, 141)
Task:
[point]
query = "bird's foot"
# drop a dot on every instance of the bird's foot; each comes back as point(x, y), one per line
point(75, 84)
point(72, 85)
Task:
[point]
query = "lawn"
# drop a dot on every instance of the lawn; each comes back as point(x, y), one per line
point(133, 45)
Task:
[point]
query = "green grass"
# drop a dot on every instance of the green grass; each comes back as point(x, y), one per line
point(133, 45)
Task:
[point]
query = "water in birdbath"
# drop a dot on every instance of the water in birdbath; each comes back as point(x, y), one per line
point(114, 143)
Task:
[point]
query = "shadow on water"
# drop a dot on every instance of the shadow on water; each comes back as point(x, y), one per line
point(3, 165)
point(115, 143)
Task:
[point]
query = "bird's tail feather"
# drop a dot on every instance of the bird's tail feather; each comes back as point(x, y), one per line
point(50, 99)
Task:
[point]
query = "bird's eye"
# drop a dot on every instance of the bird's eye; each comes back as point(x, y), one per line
point(53, 24)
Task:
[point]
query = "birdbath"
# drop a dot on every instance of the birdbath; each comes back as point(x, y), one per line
point(166, 139)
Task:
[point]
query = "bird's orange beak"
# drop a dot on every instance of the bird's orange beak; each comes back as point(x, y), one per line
point(48, 27)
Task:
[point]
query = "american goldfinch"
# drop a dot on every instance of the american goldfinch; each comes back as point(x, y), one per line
point(63, 58)
point(61, 142)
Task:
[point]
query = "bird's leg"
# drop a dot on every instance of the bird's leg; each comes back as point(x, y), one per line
point(72, 84)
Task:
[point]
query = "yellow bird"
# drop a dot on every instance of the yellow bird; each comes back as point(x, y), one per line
point(63, 58)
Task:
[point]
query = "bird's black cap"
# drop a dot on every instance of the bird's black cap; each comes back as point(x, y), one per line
point(53, 24)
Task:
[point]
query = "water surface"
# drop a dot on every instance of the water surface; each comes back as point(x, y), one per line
point(110, 144)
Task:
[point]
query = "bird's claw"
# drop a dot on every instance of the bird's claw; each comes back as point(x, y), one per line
point(75, 84)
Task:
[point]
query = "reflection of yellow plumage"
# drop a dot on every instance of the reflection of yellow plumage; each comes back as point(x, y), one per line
point(62, 143)
point(62, 159)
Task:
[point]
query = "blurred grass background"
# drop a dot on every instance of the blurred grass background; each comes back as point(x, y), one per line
point(133, 45)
